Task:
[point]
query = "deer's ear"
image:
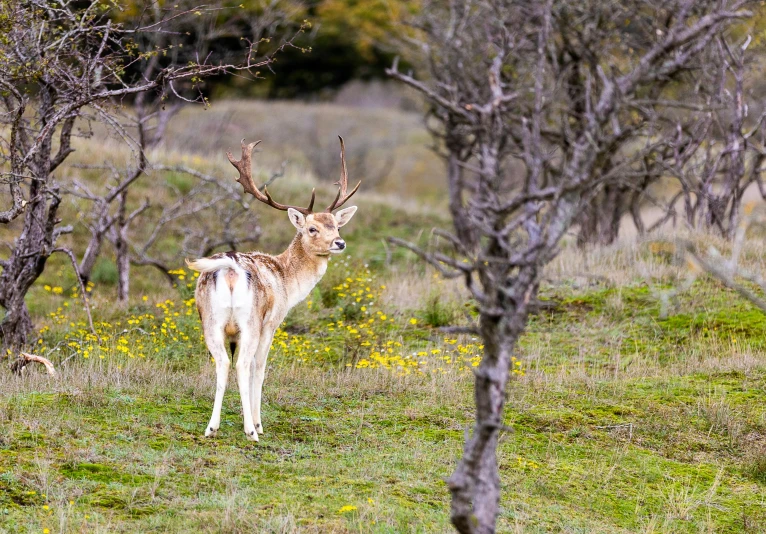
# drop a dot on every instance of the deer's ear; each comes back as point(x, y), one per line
point(344, 215)
point(297, 218)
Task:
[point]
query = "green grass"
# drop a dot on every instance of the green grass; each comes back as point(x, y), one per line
point(142, 464)
point(622, 422)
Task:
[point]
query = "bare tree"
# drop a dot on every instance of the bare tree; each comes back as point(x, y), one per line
point(523, 164)
point(581, 47)
point(99, 217)
point(725, 146)
point(59, 60)
point(106, 225)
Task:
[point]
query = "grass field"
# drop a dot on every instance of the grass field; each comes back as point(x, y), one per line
point(623, 421)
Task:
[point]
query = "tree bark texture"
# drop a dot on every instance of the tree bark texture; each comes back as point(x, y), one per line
point(34, 245)
point(122, 252)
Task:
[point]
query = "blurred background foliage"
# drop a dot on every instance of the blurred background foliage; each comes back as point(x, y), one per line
point(347, 40)
point(349, 43)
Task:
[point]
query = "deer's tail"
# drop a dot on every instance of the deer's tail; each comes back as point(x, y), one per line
point(208, 265)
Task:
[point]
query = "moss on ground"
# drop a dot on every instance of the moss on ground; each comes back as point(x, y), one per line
point(622, 423)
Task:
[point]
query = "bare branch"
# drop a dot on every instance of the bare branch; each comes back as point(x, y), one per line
point(83, 292)
point(437, 260)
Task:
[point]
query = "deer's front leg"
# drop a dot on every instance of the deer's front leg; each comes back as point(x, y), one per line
point(259, 373)
point(248, 345)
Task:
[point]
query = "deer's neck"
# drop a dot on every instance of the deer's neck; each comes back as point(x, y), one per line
point(302, 271)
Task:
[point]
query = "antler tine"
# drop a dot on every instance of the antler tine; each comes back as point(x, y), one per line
point(342, 183)
point(245, 168)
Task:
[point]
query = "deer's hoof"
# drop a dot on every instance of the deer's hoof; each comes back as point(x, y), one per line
point(210, 432)
point(252, 435)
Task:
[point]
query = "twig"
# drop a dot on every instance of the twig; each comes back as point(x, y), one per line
point(459, 330)
point(437, 259)
point(82, 288)
point(727, 278)
point(388, 252)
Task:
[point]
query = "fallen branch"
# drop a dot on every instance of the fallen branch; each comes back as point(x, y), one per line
point(25, 358)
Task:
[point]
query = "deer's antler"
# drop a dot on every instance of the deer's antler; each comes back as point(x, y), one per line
point(245, 168)
point(342, 183)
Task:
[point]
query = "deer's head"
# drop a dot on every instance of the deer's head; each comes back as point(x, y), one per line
point(318, 231)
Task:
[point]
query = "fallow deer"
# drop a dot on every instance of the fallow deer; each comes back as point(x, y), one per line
point(243, 297)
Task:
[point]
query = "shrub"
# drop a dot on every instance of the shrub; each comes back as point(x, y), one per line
point(105, 272)
point(437, 313)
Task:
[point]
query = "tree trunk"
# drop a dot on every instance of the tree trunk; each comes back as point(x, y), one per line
point(91, 255)
point(26, 264)
point(475, 484)
point(36, 241)
point(600, 221)
point(16, 325)
point(123, 272)
point(122, 252)
point(455, 182)
point(490, 401)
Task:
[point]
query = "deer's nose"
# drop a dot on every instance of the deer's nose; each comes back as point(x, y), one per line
point(340, 244)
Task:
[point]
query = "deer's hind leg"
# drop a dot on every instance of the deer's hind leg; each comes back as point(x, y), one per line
point(214, 339)
point(259, 373)
point(248, 345)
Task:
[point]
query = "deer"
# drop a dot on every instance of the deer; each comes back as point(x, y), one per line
point(242, 298)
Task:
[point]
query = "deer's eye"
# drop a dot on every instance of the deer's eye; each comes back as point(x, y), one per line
point(312, 230)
